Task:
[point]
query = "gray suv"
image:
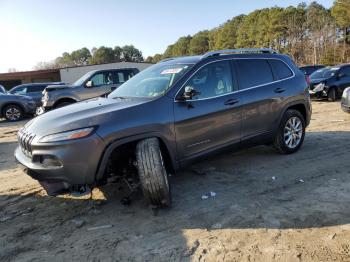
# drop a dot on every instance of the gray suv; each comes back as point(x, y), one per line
point(170, 114)
point(93, 84)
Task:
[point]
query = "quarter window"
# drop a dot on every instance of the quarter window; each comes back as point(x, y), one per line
point(38, 88)
point(280, 69)
point(345, 71)
point(212, 80)
point(253, 72)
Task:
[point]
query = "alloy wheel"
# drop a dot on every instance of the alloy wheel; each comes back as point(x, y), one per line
point(293, 132)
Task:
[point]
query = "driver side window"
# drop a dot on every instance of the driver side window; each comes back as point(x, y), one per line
point(212, 80)
point(98, 79)
point(20, 91)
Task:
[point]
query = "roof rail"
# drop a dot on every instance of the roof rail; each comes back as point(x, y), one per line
point(166, 59)
point(240, 51)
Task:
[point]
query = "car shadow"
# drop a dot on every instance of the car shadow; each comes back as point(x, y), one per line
point(254, 189)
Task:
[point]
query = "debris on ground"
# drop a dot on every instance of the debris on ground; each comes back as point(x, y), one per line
point(273, 178)
point(78, 222)
point(99, 227)
point(207, 195)
point(301, 181)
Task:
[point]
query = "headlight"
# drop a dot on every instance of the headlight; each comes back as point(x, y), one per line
point(68, 135)
point(319, 87)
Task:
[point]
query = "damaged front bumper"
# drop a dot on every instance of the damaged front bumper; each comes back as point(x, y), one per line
point(59, 166)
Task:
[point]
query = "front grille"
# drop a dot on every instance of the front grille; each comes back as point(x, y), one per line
point(25, 141)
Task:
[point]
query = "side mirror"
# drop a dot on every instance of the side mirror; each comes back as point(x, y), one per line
point(340, 75)
point(189, 93)
point(89, 84)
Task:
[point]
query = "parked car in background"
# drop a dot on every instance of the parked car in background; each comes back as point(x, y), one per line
point(345, 100)
point(309, 69)
point(330, 82)
point(170, 114)
point(93, 84)
point(34, 90)
point(15, 107)
point(2, 90)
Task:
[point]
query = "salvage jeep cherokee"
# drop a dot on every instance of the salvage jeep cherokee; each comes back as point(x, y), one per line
point(166, 116)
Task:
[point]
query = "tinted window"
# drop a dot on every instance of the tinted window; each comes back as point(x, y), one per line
point(280, 69)
point(123, 76)
point(253, 72)
point(36, 88)
point(212, 80)
point(104, 78)
point(345, 70)
point(22, 90)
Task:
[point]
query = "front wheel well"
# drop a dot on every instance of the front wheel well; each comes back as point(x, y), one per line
point(301, 108)
point(125, 155)
point(64, 100)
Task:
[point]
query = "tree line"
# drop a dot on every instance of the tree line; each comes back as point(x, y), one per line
point(310, 34)
point(101, 55)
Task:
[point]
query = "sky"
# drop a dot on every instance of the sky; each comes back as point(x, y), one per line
point(40, 30)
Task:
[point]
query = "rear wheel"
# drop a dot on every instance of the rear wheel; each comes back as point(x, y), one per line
point(152, 173)
point(291, 132)
point(13, 113)
point(332, 95)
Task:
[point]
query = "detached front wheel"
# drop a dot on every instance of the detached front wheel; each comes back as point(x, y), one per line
point(291, 132)
point(152, 173)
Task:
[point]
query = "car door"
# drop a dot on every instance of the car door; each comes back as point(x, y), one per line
point(212, 117)
point(35, 92)
point(99, 84)
point(262, 95)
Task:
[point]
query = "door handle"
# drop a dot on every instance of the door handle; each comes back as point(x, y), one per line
point(231, 102)
point(279, 90)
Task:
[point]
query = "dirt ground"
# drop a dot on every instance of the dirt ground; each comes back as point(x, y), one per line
point(268, 207)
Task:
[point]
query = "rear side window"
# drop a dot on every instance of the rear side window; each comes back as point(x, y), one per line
point(280, 69)
point(253, 72)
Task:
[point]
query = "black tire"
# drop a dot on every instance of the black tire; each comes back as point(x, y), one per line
point(62, 104)
point(332, 95)
point(152, 173)
point(13, 113)
point(280, 142)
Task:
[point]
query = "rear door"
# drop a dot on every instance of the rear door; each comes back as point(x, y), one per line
point(263, 93)
point(212, 118)
point(35, 91)
point(100, 84)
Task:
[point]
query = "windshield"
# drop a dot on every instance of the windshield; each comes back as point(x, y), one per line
point(82, 79)
point(324, 73)
point(152, 82)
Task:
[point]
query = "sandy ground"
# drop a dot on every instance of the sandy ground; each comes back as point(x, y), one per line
point(301, 215)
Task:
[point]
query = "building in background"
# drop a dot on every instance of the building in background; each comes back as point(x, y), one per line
point(66, 75)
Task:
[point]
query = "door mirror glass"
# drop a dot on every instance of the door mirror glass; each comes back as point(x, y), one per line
point(89, 84)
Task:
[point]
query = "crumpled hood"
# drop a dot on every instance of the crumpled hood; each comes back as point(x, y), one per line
point(92, 112)
point(57, 87)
